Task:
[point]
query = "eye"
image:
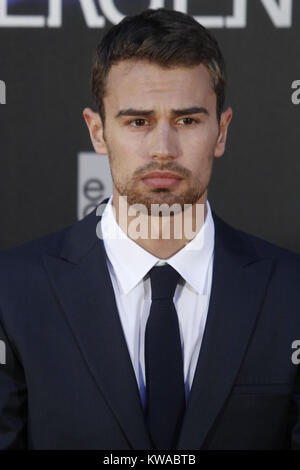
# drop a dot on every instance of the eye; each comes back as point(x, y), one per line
point(189, 120)
point(140, 120)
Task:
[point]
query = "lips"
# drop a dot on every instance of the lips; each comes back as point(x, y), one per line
point(161, 179)
point(162, 174)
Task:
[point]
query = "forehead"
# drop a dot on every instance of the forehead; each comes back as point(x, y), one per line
point(143, 82)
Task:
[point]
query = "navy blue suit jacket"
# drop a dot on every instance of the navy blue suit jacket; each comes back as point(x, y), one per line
point(68, 381)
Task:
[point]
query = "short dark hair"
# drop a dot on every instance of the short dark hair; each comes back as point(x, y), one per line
point(161, 36)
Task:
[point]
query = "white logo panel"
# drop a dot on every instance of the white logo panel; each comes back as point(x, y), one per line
point(94, 182)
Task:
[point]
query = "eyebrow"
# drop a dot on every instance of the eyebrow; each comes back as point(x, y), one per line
point(175, 112)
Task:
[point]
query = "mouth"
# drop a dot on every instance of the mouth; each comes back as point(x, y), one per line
point(161, 179)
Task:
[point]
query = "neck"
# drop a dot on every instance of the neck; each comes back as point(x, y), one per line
point(162, 236)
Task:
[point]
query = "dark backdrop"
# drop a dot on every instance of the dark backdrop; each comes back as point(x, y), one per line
point(46, 68)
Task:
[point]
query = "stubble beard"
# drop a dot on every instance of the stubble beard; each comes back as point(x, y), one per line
point(194, 191)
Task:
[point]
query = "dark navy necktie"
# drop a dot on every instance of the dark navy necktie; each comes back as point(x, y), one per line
point(165, 393)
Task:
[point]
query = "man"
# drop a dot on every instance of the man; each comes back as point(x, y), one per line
point(128, 342)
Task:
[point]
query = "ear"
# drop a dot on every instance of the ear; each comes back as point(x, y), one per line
point(95, 126)
point(224, 123)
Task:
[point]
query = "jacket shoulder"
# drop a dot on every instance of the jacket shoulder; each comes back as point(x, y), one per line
point(262, 247)
point(268, 249)
point(29, 253)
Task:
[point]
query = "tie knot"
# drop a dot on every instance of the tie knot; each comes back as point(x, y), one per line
point(164, 280)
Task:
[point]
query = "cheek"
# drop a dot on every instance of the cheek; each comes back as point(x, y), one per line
point(123, 158)
point(198, 149)
point(129, 151)
point(202, 139)
point(199, 156)
point(121, 142)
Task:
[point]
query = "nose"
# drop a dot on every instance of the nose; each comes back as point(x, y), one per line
point(163, 142)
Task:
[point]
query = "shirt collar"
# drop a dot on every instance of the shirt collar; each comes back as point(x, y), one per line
point(131, 262)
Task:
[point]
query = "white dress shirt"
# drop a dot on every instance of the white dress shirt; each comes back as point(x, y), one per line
point(128, 263)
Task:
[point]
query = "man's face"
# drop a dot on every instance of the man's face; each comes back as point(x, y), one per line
point(143, 133)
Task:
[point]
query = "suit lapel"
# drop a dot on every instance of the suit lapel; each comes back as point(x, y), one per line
point(82, 283)
point(240, 278)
